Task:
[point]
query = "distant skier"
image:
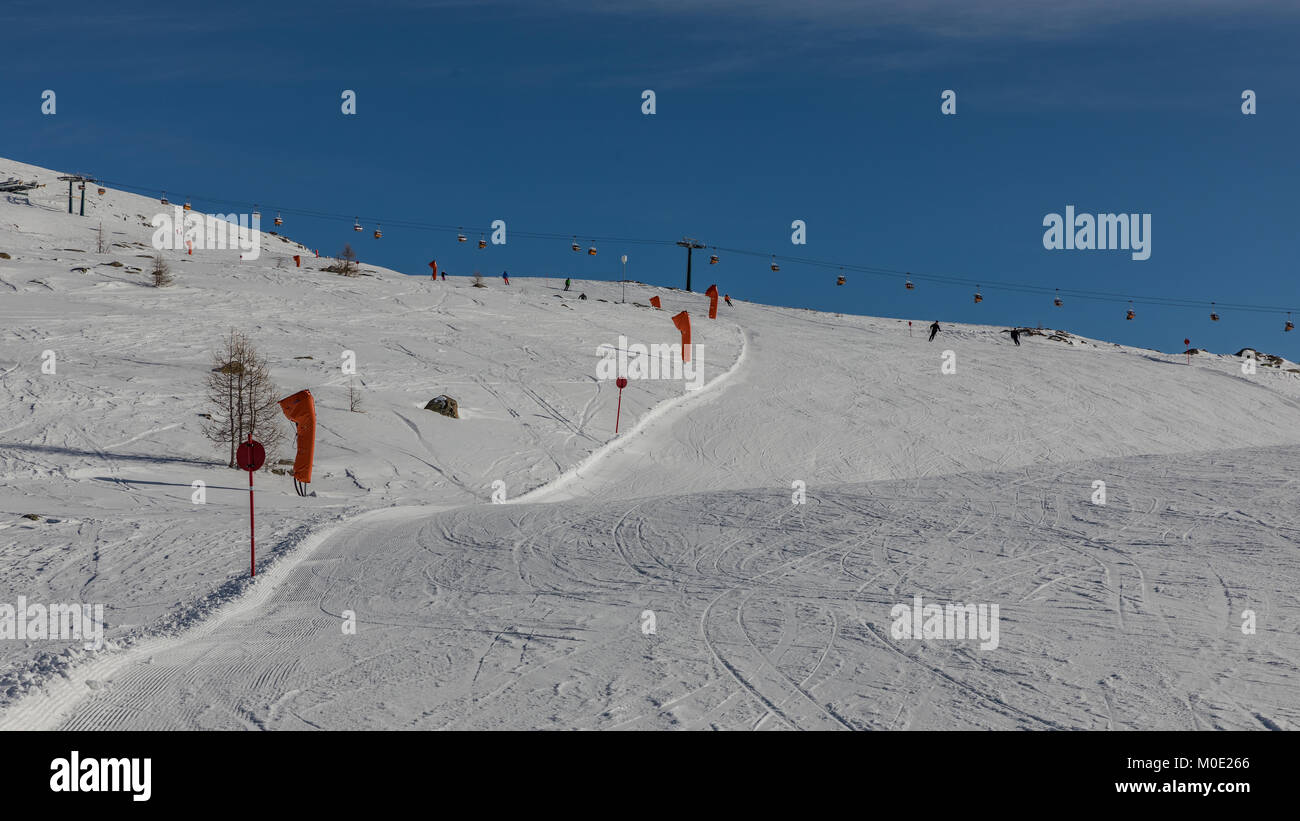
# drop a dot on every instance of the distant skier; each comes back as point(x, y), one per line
point(727, 299)
point(1015, 336)
point(582, 296)
point(506, 277)
point(566, 283)
point(444, 276)
point(934, 329)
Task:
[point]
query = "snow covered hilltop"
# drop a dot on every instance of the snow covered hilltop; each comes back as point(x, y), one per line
point(827, 471)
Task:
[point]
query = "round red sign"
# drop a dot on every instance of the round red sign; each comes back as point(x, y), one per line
point(250, 456)
point(621, 382)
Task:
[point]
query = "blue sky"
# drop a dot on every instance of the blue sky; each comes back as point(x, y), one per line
point(767, 112)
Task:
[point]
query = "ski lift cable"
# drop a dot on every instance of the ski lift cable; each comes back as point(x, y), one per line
point(945, 279)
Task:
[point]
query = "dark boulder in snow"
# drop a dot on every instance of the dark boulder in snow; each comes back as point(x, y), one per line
point(445, 405)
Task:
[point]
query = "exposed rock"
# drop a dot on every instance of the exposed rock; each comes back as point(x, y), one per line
point(445, 405)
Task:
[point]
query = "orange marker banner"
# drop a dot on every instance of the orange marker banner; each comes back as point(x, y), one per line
point(301, 410)
point(654, 300)
point(683, 323)
point(297, 260)
point(712, 294)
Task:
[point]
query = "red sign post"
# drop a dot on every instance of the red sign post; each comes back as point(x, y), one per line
point(622, 383)
point(1187, 347)
point(250, 457)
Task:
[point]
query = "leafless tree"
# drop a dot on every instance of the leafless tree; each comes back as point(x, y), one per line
point(354, 397)
point(161, 273)
point(242, 397)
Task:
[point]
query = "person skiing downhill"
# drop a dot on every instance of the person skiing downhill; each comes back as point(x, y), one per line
point(1015, 336)
point(506, 277)
point(727, 298)
point(566, 283)
point(934, 329)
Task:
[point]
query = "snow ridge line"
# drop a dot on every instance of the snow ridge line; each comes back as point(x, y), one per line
point(573, 474)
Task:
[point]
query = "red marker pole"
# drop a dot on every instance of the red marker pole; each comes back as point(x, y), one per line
point(1187, 347)
point(252, 529)
point(622, 383)
point(250, 457)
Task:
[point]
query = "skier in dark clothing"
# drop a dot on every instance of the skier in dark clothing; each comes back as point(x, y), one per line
point(934, 329)
point(727, 297)
point(506, 277)
point(1015, 336)
point(582, 296)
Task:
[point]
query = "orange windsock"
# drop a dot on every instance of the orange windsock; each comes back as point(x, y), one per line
point(712, 294)
point(301, 410)
point(683, 323)
point(654, 300)
point(297, 261)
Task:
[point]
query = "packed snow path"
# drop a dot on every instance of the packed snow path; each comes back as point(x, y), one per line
point(771, 615)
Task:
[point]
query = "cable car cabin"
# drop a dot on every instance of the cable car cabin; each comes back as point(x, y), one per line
point(1214, 317)
point(1130, 314)
point(187, 205)
point(278, 221)
point(356, 224)
point(163, 199)
point(909, 286)
point(378, 234)
point(591, 252)
point(576, 246)
point(1290, 326)
point(713, 259)
point(482, 243)
point(775, 267)
point(978, 299)
point(460, 238)
point(839, 281)
point(1057, 302)
point(101, 192)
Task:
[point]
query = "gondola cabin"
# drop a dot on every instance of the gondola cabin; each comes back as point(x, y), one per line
point(378, 234)
point(482, 243)
point(278, 221)
point(713, 259)
point(839, 281)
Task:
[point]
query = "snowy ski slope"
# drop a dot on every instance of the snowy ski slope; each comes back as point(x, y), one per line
point(973, 486)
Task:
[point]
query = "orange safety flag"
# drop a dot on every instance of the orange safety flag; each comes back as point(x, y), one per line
point(301, 410)
point(683, 323)
point(654, 300)
point(434, 266)
point(297, 261)
point(712, 294)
